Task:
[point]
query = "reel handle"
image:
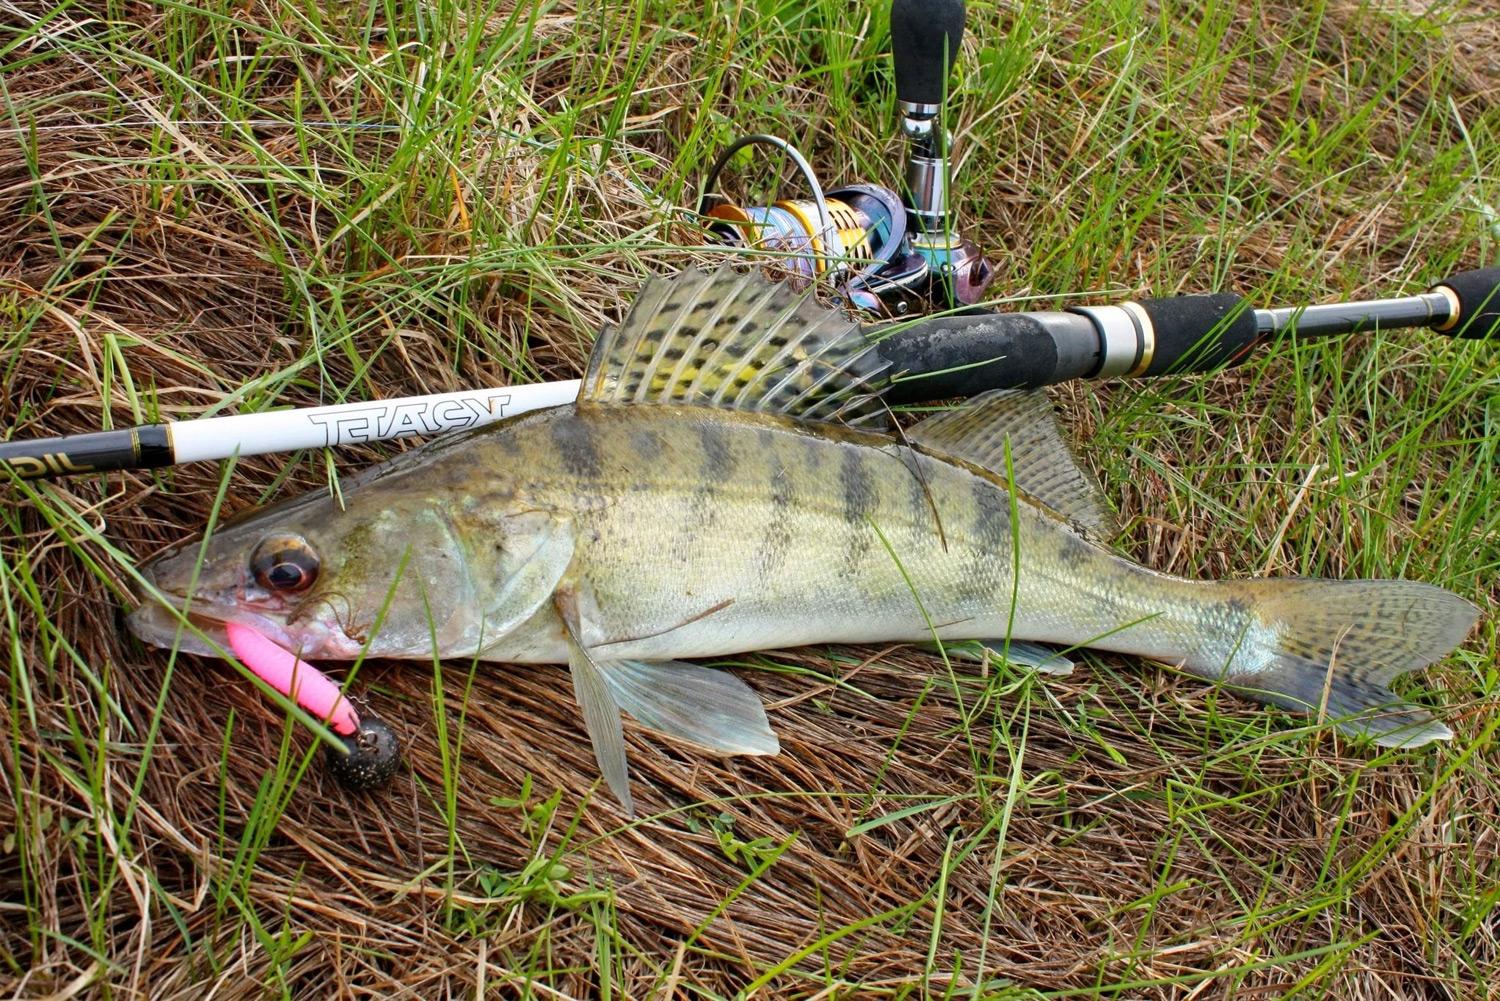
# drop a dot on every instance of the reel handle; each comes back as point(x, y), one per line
point(1477, 296)
point(925, 35)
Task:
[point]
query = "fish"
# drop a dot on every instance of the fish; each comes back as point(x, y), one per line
point(730, 480)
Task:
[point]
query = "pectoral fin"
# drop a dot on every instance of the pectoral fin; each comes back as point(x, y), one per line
point(702, 705)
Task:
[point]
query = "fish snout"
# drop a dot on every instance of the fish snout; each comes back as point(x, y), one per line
point(157, 618)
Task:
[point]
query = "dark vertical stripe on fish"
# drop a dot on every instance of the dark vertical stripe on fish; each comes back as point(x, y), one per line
point(989, 528)
point(857, 488)
point(718, 458)
point(919, 503)
point(715, 466)
point(510, 443)
point(856, 485)
point(1073, 552)
point(776, 545)
point(647, 444)
point(577, 446)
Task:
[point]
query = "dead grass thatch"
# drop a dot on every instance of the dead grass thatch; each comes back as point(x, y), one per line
point(1118, 843)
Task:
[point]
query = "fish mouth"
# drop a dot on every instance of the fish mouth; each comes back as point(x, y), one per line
point(168, 621)
point(164, 618)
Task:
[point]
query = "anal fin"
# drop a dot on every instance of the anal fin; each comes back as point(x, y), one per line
point(1032, 656)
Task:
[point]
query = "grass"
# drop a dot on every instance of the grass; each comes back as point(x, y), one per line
point(228, 207)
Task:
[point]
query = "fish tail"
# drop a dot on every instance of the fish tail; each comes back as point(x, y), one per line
point(1332, 648)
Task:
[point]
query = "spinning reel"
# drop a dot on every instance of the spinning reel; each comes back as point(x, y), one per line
point(889, 254)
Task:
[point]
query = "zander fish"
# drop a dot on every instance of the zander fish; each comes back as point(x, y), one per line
point(728, 481)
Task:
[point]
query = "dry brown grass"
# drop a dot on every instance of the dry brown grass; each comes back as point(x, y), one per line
point(1120, 778)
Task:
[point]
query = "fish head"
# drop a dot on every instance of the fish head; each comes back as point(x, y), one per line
point(385, 573)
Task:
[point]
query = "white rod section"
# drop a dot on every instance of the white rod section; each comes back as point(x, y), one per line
point(344, 423)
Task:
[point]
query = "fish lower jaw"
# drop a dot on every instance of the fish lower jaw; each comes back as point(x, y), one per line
point(160, 626)
point(203, 632)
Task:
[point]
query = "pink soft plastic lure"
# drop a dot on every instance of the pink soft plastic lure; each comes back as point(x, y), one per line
point(310, 688)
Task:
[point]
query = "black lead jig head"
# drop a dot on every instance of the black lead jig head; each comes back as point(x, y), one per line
point(373, 756)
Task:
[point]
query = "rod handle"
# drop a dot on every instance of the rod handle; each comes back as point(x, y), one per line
point(946, 356)
point(1478, 298)
point(1186, 333)
point(925, 35)
point(1199, 333)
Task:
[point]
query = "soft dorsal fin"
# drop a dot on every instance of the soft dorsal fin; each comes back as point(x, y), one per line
point(1044, 465)
point(740, 342)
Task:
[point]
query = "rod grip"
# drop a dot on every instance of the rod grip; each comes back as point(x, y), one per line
point(925, 35)
point(1478, 294)
point(1199, 333)
point(947, 356)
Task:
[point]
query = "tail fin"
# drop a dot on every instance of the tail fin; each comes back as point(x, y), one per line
point(1339, 644)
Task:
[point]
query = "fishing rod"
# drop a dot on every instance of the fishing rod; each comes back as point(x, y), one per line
point(932, 358)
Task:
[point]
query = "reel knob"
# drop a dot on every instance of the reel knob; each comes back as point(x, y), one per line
point(925, 35)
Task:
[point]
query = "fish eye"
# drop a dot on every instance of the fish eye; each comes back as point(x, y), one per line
point(284, 563)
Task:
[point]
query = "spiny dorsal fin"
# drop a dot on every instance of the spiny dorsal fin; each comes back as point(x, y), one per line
point(740, 342)
point(1044, 465)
